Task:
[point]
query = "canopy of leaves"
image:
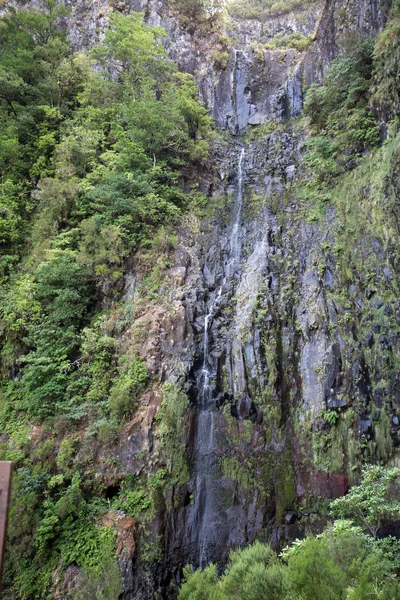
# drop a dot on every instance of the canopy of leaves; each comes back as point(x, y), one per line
point(95, 152)
point(373, 501)
point(340, 564)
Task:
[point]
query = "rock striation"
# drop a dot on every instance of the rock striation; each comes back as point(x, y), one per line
point(249, 323)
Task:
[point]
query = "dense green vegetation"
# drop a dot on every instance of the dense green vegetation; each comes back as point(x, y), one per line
point(94, 165)
point(95, 149)
point(342, 563)
point(298, 41)
point(345, 562)
point(262, 9)
point(340, 121)
point(343, 114)
point(205, 14)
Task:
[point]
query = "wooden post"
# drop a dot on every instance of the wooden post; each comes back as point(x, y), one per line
point(5, 486)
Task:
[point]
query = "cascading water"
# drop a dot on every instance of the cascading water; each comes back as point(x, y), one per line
point(208, 500)
point(235, 245)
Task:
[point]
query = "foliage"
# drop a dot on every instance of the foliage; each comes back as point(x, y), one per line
point(263, 9)
point(103, 582)
point(314, 574)
point(63, 292)
point(129, 384)
point(132, 502)
point(111, 177)
point(338, 114)
point(37, 92)
point(386, 95)
point(297, 40)
point(96, 151)
point(249, 573)
point(341, 123)
point(340, 563)
point(51, 521)
point(200, 585)
point(331, 416)
point(371, 502)
point(206, 14)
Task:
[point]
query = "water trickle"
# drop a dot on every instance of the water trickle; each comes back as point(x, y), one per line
point(207, 497)
point(235, 245)
point(233, 258)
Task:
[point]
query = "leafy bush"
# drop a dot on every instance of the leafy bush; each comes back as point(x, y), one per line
point(132, 502)
point(344, 88)
point(372, 501)
point(340, 563)
point(297, 40)
point(131, 381)
point(104, 581)
point(263, 9)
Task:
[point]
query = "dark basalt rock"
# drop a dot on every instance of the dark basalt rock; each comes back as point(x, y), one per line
point(369, 339)
point(282, 346)
point(336, 402)
point(369, 293)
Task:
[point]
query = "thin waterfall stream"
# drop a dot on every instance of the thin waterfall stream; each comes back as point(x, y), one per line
point(207, 495)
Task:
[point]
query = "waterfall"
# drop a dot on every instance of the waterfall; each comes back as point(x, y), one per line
point(207, 499)
point(233, 258)
point(235, 242)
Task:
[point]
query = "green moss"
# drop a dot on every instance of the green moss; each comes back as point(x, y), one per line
point(172, 425)
point(241, 471)
point(250, 471)
point(382, 446)
point(266, 475)
point(260, 132)
point(331, 446)
point(285, 486)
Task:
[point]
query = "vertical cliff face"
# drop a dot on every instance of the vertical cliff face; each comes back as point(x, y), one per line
point(262, 324)
point(249, 325)
point(266, 352)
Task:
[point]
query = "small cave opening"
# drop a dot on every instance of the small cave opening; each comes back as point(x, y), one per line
point(112, 491)
point(188, 498)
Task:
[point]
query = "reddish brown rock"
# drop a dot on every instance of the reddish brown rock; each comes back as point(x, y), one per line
point(319, 483)
point(65, 583)
point(127, 529)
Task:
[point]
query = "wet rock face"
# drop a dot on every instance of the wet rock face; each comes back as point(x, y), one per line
point(294, 394)
point(282, 395)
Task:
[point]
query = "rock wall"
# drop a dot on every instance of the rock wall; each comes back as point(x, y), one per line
point(278, 357)
point(253, 300)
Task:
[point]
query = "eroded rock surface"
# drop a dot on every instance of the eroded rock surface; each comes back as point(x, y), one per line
point(250, 323)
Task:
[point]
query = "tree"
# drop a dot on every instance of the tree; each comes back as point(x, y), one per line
point(200, 585)
point(372, 501)
point(341, 563)
point(133, 51)
point(241, 561)
point(314, 575)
